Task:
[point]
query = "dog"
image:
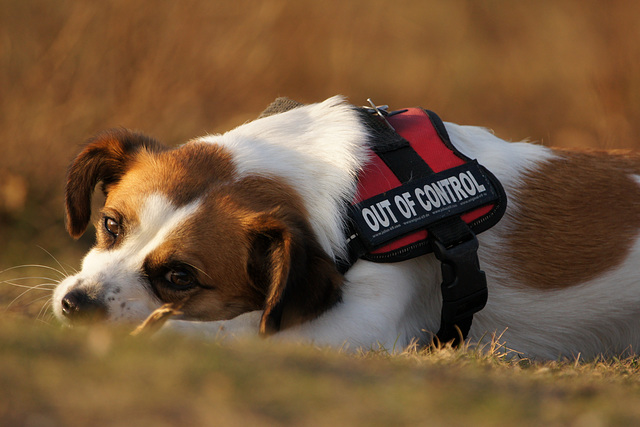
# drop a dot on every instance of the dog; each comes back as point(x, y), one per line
point(243, 229)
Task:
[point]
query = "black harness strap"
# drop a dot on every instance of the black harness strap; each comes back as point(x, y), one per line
point(405, 163)
point(464, 285)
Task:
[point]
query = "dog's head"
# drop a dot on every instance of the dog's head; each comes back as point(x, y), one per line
point(180, 225)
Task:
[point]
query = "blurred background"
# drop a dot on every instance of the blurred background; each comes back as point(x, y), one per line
point(559, 72)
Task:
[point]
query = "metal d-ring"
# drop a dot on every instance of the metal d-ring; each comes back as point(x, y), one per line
point(380, 111)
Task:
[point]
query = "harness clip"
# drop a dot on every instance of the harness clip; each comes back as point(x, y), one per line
point(464, 285)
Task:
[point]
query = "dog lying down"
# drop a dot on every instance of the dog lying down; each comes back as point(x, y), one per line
point(266, 229)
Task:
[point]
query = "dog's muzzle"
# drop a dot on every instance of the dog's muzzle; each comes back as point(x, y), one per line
point(77, 306)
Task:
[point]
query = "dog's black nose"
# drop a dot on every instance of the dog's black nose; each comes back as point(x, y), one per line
point(78, 306)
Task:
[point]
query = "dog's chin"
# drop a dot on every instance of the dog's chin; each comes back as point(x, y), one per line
point(103, 317)
point(86, 320)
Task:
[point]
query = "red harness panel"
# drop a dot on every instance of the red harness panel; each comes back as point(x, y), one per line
point(415, 126)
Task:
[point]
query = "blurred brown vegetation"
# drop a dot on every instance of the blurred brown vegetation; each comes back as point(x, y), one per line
point(563, 72)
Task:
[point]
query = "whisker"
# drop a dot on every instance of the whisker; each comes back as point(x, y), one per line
point(46, 313)
point(40, 287)
point(199, 269)
point(45, 309)
point(53, 279)
point(64, 270)
point(48, 298)
point(46, 318)
point(50, 279)
point(46, 267)
point(29, 289)
point(50, 286)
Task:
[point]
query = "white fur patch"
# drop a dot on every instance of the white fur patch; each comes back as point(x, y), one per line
point(508, 161)
point(599, 316)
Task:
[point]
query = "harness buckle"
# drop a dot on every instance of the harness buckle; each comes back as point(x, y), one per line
point(464, 287)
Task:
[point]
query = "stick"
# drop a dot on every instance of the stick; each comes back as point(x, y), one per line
point(156, 319)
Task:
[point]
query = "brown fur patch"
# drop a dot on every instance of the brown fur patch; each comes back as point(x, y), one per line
point(254, 249)
point(183, 174)
point(105, 158)
point(577, 217)
point(215, 244)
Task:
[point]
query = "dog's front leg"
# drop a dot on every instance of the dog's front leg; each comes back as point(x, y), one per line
point(244, 325)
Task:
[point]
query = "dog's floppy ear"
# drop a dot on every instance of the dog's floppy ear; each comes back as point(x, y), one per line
point(300, 279)
point(104, 159)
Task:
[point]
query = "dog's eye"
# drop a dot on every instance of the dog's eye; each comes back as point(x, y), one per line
point(112, 226)
point(180, 279)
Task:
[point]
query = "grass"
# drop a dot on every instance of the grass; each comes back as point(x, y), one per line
point(104, 377)
point(563, 72)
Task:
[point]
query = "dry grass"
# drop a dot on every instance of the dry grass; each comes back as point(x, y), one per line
point(562, 72)
point(103, 377)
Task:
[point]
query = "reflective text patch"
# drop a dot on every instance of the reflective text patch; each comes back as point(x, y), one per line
point(421, 202)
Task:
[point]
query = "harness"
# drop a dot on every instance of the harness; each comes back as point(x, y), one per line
point(418, 194)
